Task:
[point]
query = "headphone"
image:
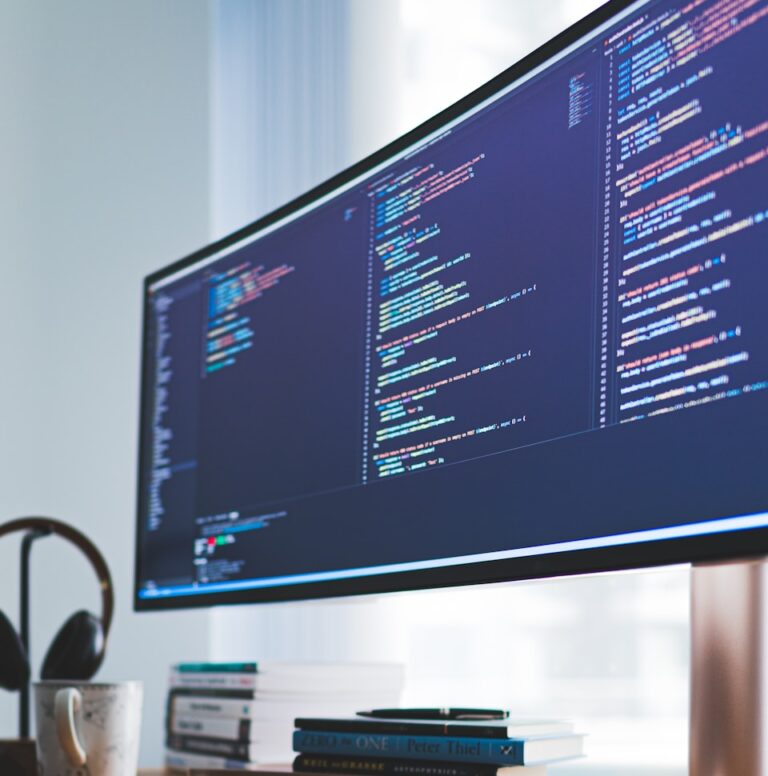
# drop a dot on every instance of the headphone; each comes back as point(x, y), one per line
point(77, 650)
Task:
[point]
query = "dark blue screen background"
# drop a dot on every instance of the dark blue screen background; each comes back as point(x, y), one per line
point(541, 385)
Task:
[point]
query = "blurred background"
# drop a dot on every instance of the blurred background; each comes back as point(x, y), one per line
point(133, 133)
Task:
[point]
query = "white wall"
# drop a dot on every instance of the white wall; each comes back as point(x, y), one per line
point(300, 90)
point(104, 157)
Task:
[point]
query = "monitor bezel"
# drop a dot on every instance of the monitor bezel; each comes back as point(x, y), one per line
point(733, 544)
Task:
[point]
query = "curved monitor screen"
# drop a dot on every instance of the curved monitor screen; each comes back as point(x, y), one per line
point(529, 338)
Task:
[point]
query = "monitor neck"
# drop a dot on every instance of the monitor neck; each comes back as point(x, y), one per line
point(729, 641)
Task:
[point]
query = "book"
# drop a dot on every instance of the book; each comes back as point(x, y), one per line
point(212, 706)
point(228, 680)
point(212, 692)
point(493, 751)
point(230, 728)
point(188, 761)
point(383, 766)
point(264, 707)
point(197, 668)
point(492, 728)
point(280, 769)
point(304, 678)
point(271, 770)
point(439, 769)
point(250, 751)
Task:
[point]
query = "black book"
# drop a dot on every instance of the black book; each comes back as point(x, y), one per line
point(211, 692)
point(493, 728)
point(231, 750)
point(382, 766)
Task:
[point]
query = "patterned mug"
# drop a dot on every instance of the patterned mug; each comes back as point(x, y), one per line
point(88, 728)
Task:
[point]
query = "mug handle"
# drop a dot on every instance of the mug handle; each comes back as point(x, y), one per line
point(67, 703)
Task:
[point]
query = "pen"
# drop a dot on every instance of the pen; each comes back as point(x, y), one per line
point(437, 714)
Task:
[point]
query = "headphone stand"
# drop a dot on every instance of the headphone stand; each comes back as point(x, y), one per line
point(26, 548)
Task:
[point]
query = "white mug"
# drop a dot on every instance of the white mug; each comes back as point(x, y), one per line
point(88, 728)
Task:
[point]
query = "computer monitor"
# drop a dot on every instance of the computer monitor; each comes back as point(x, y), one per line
point(526, 339)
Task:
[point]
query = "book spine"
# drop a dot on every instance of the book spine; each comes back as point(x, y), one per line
point(216, 668)
point(211, 692)
point(214, 680)
point(212, 707)
point(232, 750)
point(379, 765)
point(475, 750)
point(231, 729)
point(401, 727)
point(186, 761)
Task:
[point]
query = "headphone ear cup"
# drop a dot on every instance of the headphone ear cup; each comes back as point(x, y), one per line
point(14, 665)
point(77, 650)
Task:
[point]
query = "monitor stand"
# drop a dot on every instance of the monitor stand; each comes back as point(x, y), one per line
point(729, 672)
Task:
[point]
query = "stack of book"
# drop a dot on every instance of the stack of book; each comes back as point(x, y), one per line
point(432, 747)
point(237, 715)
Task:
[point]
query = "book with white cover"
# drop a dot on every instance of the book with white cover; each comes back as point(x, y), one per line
point(232, 729)
point(296, 677)
point(260, 709)
point(186, 761)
